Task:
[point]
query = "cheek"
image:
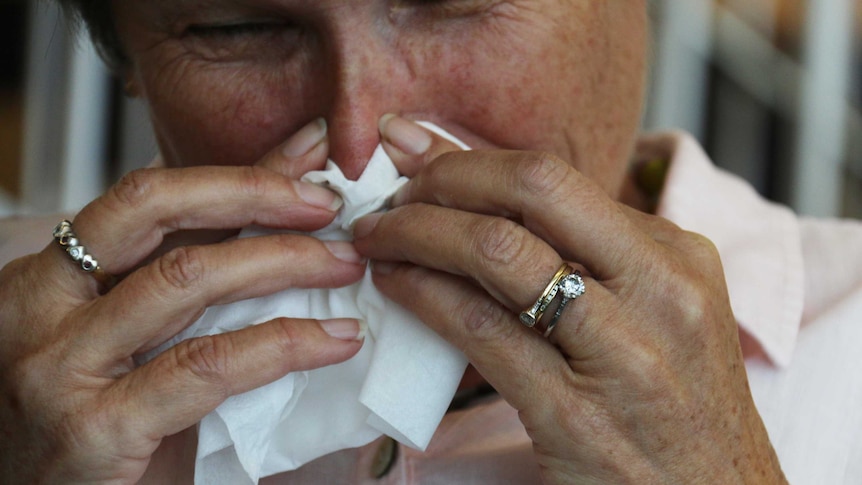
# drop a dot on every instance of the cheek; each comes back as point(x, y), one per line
point(520, 82)
point(222, 114)
point(490, 84)
point(572, 86)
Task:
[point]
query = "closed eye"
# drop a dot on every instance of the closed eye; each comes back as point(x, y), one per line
point(239, 29)
point(244, 39)
point(447, 8)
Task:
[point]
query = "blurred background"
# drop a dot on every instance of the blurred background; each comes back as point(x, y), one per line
point(771, 88)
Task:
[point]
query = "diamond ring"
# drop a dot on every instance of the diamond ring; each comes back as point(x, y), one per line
point(571, 287)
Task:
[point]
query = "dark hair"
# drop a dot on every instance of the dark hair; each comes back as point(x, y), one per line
point(97, 16)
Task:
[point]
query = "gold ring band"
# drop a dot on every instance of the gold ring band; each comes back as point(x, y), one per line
point(532, 315)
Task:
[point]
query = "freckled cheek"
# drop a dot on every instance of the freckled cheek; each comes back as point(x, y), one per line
point(502, 97)
point(228, 118)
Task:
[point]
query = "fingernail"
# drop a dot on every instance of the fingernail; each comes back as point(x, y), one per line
point(318, 196)
point(344, 251)
point(404, 135)
point(344, 328)
point(383, 267)
point(305, 139)
point(365, 225)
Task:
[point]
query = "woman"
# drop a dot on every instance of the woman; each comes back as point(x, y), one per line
point(643, 378)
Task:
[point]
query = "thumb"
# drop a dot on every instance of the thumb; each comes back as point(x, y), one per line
point(410, 146)
point(304, 151)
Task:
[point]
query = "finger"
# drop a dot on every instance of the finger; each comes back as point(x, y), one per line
point(519, 363)
point(550, 198)
point(411, 146)
point(511, 263)
point(506, 260)
point(303, 152)
point(131, 219)
point(182, 385)
point(156, 302)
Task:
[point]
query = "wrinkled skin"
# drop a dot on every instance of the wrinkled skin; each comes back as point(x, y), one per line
point(641, 383)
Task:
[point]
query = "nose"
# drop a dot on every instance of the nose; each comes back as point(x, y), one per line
point(366, 80)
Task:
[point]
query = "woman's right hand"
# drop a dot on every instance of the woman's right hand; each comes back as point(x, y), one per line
point(73, 406)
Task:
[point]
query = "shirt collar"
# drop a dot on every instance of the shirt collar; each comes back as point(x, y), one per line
point(758, 241)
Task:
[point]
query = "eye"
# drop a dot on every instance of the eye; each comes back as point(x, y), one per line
point(243, 39)
point(239, 29)
point(435, 3)
point(446, 8)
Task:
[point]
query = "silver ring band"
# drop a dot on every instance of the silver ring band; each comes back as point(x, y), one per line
point(571, 287)
point(69, 242)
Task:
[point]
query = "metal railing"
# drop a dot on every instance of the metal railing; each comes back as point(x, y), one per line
point(694, 36)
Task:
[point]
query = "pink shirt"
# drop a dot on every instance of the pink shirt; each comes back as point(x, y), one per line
point(796, 290)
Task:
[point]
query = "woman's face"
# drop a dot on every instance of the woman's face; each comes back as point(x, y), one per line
point(228, 80)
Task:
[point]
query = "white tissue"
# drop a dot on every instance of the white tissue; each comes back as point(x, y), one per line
point(399, 384)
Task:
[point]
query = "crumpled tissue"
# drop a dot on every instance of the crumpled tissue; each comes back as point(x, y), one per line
point(400, 383)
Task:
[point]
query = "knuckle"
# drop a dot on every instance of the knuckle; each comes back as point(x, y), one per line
point(542, 174)
point(182, 268)
point(24, 391)
point(14, 268)
point(701, 255)
point(648, 366)
point(501, 241)
point(13, 288)
point(287, 335)
point(37, 393)
point(692, 282)
point(484, 321)
point(22, 383)
point(206, 359)
point(701, 246)
point(694, 300)
point(135, 188)
point(254, 180)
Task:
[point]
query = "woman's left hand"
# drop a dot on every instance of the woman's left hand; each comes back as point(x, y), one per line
point(642, 381)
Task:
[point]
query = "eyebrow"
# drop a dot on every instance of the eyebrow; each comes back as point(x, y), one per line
point(167, 13)
point(187, 4)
